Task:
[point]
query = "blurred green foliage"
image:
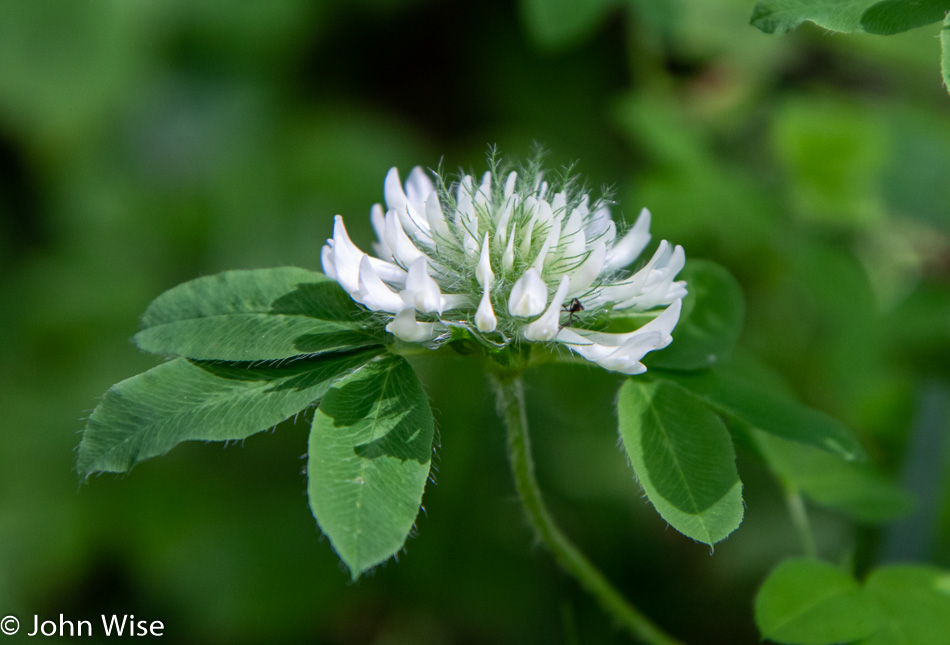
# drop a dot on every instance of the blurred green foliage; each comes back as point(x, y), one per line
point(146, 143)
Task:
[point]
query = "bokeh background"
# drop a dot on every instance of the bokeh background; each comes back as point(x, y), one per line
point(147, 142)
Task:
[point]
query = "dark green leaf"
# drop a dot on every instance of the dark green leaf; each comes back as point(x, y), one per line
point(809, 602)
point(267, 314)
point(914, 605)
point(894, 16)
point(370, 449)
point(684, 458)
point(767, 408)
point(825, 478)
point(780, 16)
point(710, 323)
point(149, 414)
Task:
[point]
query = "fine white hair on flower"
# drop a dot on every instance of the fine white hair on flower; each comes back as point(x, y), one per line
point(510, 258)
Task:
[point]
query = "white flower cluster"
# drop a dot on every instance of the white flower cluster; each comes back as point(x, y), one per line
point(508, 262)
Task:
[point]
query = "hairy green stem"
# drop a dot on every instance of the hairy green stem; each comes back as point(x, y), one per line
point(510, 395)
point(796, 510)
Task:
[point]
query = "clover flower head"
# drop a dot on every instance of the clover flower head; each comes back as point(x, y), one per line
point(510, 258)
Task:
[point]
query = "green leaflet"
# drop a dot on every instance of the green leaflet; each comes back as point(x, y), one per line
point(809, 602)
point(710, 322)
point(181, 400)
point(914, 604)
point(885, 17)
point(369, 456)
point(758, 405)
point(683, 456)
point(895, 16)
point(852, 488)
point(267, 314)
point(873, 16)
point(780, 16)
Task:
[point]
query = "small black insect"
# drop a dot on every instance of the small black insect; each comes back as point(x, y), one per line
point(572, 308)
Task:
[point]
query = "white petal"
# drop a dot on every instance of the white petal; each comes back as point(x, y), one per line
point(421, 290)
point(599, 220)
point(528, 296)
point(525, 246)
point(584, 346)
point(469, 243)
point(549, 246)
point(546, 326)
point(501, 229)
point(483, 271)
point(573, 237)
point(466, 217)
point(404, 250)
point(374, 293)
point(387, 271)
point(483, 196)
point(610, 234)
point(632, 244)
point(346, 257)
point(637, 284)
point(412, 213)
point(625, 358)
point(573, 224)
point(666, 321)
point(656, 287)
point(510, 184)
point(436, 217)
point(559, 203)
point(583, 207)
point(508, 259)
point(378, 219)
point(455, 301)
point(542, 189)
point(392, 190)
point(663, 325)
point(545, 213)
point(415, 223)
point(418, 185)
point(464, 189)
point(485, 319)
point(584, 275)
point(404, 326)
point(326, 259)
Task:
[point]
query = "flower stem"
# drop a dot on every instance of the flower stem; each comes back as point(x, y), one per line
point(510, 396)
point(796, 510)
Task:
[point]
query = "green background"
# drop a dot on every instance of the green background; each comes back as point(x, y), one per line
point(149, 142)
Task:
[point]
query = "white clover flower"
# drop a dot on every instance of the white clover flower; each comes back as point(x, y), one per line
point(509, 262)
